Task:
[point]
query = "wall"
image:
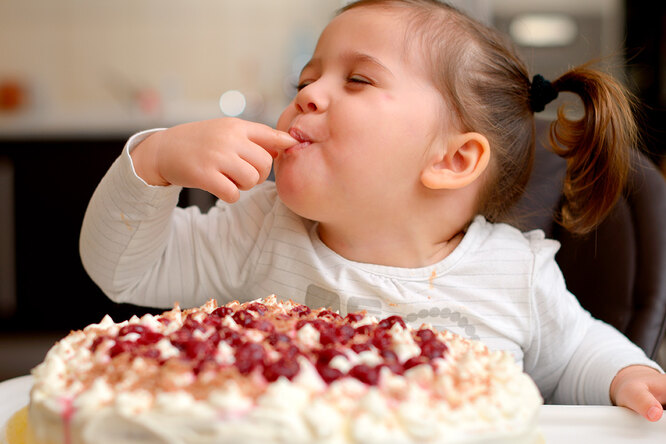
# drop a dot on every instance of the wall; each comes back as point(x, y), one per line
point(90, 66)
point(86, 61)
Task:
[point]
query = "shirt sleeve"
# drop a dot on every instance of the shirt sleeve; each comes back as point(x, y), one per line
point(139, 247)
point(572, 357)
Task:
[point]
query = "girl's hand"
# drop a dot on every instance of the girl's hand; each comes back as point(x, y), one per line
point(221, 156)
point(640, 388)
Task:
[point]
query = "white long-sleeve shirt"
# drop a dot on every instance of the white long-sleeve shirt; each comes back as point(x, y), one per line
point(499, 285)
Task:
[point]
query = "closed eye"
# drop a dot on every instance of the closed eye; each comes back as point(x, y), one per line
point(302, 85)
point(353, 79)
point(359, 79)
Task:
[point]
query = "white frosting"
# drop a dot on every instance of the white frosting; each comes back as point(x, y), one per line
point(177, 402)
point(340, 363)
point(166, 349)
point(231, 402)
point(368, 357)
point(403, 343)
point(308, 335)
point(471, 395)
point(225, 354)
point(308, 378)
point(255, 336)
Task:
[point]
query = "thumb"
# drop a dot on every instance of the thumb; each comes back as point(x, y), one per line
point(270, 139)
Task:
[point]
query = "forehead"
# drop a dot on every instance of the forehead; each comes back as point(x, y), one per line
point(378, 32)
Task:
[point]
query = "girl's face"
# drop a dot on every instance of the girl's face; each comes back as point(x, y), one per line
point(366, 114)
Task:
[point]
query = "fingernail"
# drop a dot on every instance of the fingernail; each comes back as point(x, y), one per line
point(287, 137)
point(654, 413)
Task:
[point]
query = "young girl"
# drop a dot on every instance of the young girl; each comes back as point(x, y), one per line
point(411, 134)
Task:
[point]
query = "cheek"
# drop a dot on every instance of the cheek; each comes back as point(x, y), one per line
point(286, 117)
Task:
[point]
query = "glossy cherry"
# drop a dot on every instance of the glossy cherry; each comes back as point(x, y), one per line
point(248, 356)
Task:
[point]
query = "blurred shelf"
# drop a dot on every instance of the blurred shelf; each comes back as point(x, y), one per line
point(95, 123)
point(20, 352)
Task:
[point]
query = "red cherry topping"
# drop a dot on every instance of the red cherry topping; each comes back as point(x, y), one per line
point(329, 314)
point(196, 349)
point(282, 367)
point(190, 325)
point(214, 338)
point(425, 334)
point(180, 337)
point(358, 348)
point(278, 338)
point(328, 374)
point(366, 373)
point(249, 355)
point(243, 318)
point(354, 317)
point(278, 355)
point(121, 347)
point(96, 342)
point(146, 337)
point(149, 337)
point(327, 335)
point(257, 307)
point(413, 362)
point(222, 312)
point(230, 336)
point(321, 325)
point(433, 349)
point(392, 362)
point(344, 333)
point(327, 354)
point(389, 355)
point(261, 324)
point(381, 339)
point(291, 352)
point(301, 310)
point(212, 321)
point(390, 321)
point(365, 329)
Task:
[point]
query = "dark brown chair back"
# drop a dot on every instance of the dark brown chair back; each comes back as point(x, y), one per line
point(618, 272)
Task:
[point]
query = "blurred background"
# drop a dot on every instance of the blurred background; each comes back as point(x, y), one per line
point(78, 77)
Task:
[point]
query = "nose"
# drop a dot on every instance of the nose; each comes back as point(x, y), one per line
point(309, 106)
point(312, 98)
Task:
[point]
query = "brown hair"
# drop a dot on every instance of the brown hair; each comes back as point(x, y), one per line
point(486, 84)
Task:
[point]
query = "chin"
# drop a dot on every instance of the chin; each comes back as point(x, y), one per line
point(292, 195)
point(300, 199)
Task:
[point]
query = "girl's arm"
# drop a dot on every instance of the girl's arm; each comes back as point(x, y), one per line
point(140, 248)
point(573, 357)
point(122, 218)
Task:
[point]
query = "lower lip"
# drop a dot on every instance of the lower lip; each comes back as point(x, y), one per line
point(297, 147)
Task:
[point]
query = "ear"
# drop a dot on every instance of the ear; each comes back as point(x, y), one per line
point(458, 163)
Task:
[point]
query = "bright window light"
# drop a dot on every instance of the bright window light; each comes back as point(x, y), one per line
point(543, 30)
point(232, 103)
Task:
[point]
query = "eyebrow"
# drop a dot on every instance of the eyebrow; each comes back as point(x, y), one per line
point(352, 57)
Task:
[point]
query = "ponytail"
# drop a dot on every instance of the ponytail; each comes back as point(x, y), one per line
point(486, 85)
point(597, 147)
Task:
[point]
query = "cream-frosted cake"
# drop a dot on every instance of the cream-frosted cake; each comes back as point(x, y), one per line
point(270, 371)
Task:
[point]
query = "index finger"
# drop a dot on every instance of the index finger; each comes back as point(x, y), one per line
point(270, 139)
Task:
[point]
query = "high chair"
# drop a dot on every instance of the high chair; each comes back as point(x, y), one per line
point(617, 272)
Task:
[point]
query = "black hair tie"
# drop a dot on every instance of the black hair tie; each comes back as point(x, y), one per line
point(541, 93)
